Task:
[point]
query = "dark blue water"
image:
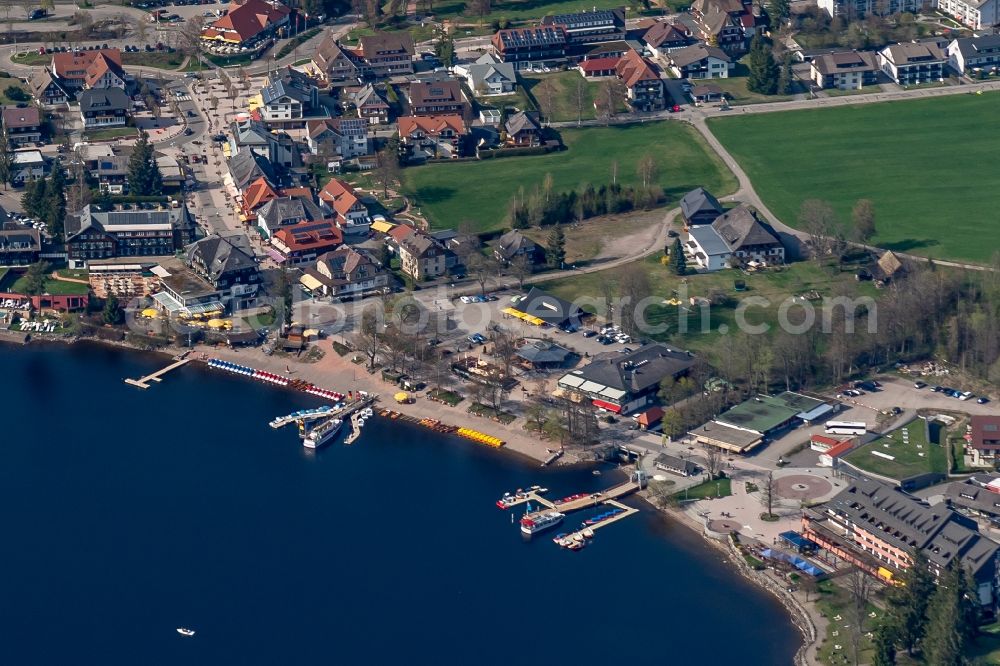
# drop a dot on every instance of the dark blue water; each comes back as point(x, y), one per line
point(127, 513)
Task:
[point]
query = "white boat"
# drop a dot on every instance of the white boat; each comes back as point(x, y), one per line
point(184, 631)
point(541, 522)
point(322, 433)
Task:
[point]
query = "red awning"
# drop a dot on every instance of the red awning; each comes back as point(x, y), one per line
point(610, 406)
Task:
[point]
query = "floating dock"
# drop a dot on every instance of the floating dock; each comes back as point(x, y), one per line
point(576, 502)
point(144, 382)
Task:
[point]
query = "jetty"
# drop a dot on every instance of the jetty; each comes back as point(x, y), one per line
point(302, 415)
point(575, 502)
point(145, 382)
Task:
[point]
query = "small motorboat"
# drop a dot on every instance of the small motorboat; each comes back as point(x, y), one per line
point(588, 533)
point(596, 472)
point(576, 545)
point(184, 631)
point(559, 537)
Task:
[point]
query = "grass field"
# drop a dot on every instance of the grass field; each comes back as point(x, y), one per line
point(922, 162)
point(908, 459)
point(110, 133)
point(706, 490)
point(478, 192)
point(563, 105)
point(157, 59)
point(522, 10)
point(704, 336)
point(55, 287)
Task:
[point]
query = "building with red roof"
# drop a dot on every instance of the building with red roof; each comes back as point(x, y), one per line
point(432, 137)
point(246, 21)
point(302, 243)
point(346, 203)
point(76, 70)
point(645, 90)
point(596, 67)
point(984, 438)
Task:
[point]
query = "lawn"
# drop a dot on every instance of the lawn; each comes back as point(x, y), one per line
point(917, 456)
point(707, 490)
point(13, 83)
point(703, 335)
point(111, 133)
point(562, 103)
point(523, 10)
point(32, 58)
point(737, 93)
point(926, 202)
point(55, 287)
point(478, 192)
point(157, 59)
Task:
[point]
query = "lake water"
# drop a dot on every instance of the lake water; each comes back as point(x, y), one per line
point(128, 513)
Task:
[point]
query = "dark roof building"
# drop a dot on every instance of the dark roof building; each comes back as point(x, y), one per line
point(599, 25)
point(436, 98)
point(877, 527)
point(228, 264)
point(525, 46)
point(19, 246)
point(700, 207)
point(742, 231)
point(543, 354)
point(622, 383)
point(386, 54)
point(675, 465)
point(551, 309)
point(285, 211)
point(246, 166)
point(100, 234)
point(515, 244)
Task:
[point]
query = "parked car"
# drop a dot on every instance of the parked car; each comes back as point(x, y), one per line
point(919, 385)
point(588, 334)
point(983, 400)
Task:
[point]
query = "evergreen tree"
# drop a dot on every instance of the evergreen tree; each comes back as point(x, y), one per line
point(786, 79)
point(6, 159)
point(779, 9)
point(144, 177)
point(678, 264)
point(946, 635)
point(113, 314)
point(33, 198)
point(557, 247)
point(763, 76)
point(54, 205)
point(884, 645)
point(908, 602)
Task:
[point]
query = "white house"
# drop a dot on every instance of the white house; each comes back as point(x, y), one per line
point(700, 62)
point(913, 63)
point(735, 235)
point(970, 53)
point(489, 76)
point(27, 165)
point(977, 15)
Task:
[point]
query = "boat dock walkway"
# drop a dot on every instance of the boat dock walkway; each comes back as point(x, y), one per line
point(626, 512)
point(583, 502)
point(144, 382)
point(303, 415)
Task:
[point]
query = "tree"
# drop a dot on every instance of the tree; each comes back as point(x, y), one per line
point(907, 602)
point(6, 159)
point(863, 216)
point(947, 633)
point(884, 645)
point(786, 79)
point(763, 77)
point(818, 220)
point(144, 177)
point(713, 461)
point(35, 278)
point(647, 169)
point(779, 9)
point(678, 263)
point(545, 93)
point(368, 338)
point(285, 289)
point(767, 494)
point(672, 423)
point(444, 49)
point(557, 247)
point(387, 168)
point(113, 314)
point(479, 269)
point(860, 587)
point(54, 205)
point(33, 199)
point(521, 267)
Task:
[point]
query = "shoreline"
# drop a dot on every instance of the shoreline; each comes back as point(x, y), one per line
point(800, 617)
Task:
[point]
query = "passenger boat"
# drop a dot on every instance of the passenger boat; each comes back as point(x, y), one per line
point(322, 433)
point(541, 522)
point(184, 631)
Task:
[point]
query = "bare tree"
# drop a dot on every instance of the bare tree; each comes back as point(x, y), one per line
point(479, 269)
point(368, 338)
point(713, 460)
point(633, 287)
point(860, 586)
point(505, 349)
point(819, 221)
point(767, 494)
point(521, 267)
point(647, 169)
point(863, 216)
point(546, 92)
point(581, 86)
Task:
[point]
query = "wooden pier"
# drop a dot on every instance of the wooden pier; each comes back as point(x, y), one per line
point(603, 497)
point(144, 382)
point(626, 512)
